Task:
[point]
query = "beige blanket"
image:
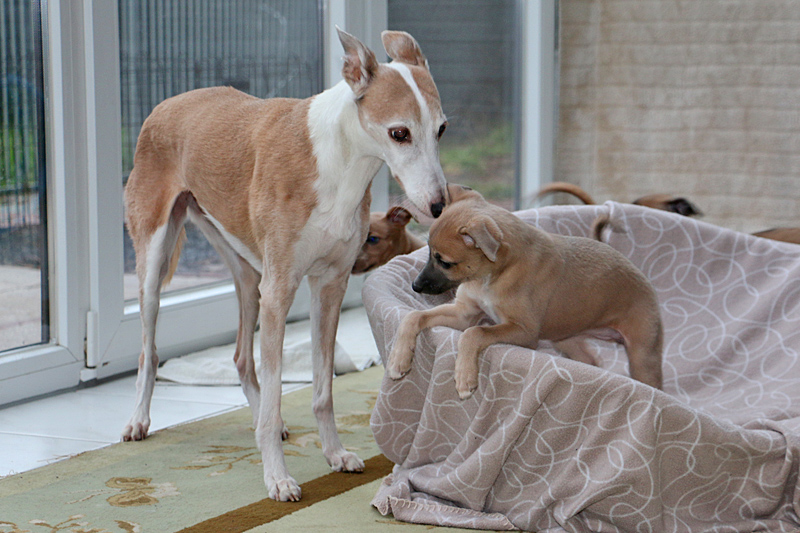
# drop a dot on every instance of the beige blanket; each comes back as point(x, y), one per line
point(549, 444)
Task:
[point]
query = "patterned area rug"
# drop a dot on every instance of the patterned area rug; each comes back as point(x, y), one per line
point(206, 476)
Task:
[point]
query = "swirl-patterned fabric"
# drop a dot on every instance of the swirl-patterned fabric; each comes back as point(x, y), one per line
point(550, 444)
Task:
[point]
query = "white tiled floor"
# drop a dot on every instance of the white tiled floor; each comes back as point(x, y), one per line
point(37, 433)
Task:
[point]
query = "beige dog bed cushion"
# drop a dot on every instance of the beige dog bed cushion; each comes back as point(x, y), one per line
point(549, 444)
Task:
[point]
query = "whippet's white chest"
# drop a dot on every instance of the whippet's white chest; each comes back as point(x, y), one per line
point(329, 242)
point(479, 295)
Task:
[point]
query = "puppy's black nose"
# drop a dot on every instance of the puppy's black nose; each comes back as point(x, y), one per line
point(436, 209)
point(417, 286)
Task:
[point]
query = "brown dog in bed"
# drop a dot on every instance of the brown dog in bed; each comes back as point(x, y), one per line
point(387, 238)
point(533, 285)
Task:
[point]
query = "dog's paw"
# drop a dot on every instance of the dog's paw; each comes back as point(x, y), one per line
point(466, 383)
point(400, 359)
point(346, 462)
point(283, 490)
point(135, 430)
point(395, 372)
point(284, 432)
point(465, 394)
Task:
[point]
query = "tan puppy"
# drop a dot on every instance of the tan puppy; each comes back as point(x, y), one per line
point(387, 238)
point(533, 285)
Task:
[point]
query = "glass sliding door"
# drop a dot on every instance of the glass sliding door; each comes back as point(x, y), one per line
point(163, 48)
point(24, 300)
point(265, 48)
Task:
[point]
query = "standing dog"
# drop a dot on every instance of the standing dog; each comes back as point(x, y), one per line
point(533, 285)
point(281, 189)
point(386, 239)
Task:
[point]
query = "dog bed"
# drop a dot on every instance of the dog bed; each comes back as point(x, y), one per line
point(550, 444)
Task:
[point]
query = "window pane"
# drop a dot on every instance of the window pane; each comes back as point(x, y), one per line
point(23, 243)
point(470, 45)
point(265, 48)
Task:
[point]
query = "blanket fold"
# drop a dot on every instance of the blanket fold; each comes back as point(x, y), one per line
point(550, 444)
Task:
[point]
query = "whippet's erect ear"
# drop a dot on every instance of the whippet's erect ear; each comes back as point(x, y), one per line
point(359, 63)
point(402, 47)
point(484, 234)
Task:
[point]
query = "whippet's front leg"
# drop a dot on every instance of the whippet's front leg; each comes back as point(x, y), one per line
point(326, 303)
point(276, 298)
point(475, 340)
point(456, 315)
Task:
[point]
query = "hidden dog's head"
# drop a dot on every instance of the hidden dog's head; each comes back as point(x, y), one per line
point(463, 243)
point(385, 239)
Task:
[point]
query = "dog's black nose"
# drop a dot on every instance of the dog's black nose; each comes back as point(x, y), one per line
point(436, 209)
point(417, 286)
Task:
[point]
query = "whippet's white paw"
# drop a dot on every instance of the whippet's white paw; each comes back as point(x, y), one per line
point(135, 430)
point(346, 462)
point(283, 490)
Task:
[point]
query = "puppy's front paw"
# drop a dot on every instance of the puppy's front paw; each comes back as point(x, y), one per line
point(395, 372)
point(283, 490)
point(466, 379)
point(400, 359)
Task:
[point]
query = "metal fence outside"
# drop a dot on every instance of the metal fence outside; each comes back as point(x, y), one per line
point(22, 147)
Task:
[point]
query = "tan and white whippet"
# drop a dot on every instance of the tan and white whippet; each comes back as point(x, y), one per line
point(280, 187)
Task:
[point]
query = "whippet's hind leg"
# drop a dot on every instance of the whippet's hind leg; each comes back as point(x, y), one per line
point(246, 279)
point(156, 256)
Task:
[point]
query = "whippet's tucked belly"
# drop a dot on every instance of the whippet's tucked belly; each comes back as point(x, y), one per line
point(324, 244)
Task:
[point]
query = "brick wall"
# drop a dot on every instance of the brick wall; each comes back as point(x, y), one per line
point(689, 97)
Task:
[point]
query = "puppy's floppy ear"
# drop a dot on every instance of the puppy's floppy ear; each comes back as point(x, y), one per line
point(398, 215)
point(359, 63)
point(456, 192)
point(402, 47)
point(484, 234)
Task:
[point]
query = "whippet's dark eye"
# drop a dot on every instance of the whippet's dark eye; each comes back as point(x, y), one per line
point(441, 129)
point(400, 135)
point(372, 239)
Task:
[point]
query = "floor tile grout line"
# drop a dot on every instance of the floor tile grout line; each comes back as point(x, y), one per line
point(60, 437)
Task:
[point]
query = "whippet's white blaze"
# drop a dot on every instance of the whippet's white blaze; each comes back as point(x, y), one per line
point(280, 187)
